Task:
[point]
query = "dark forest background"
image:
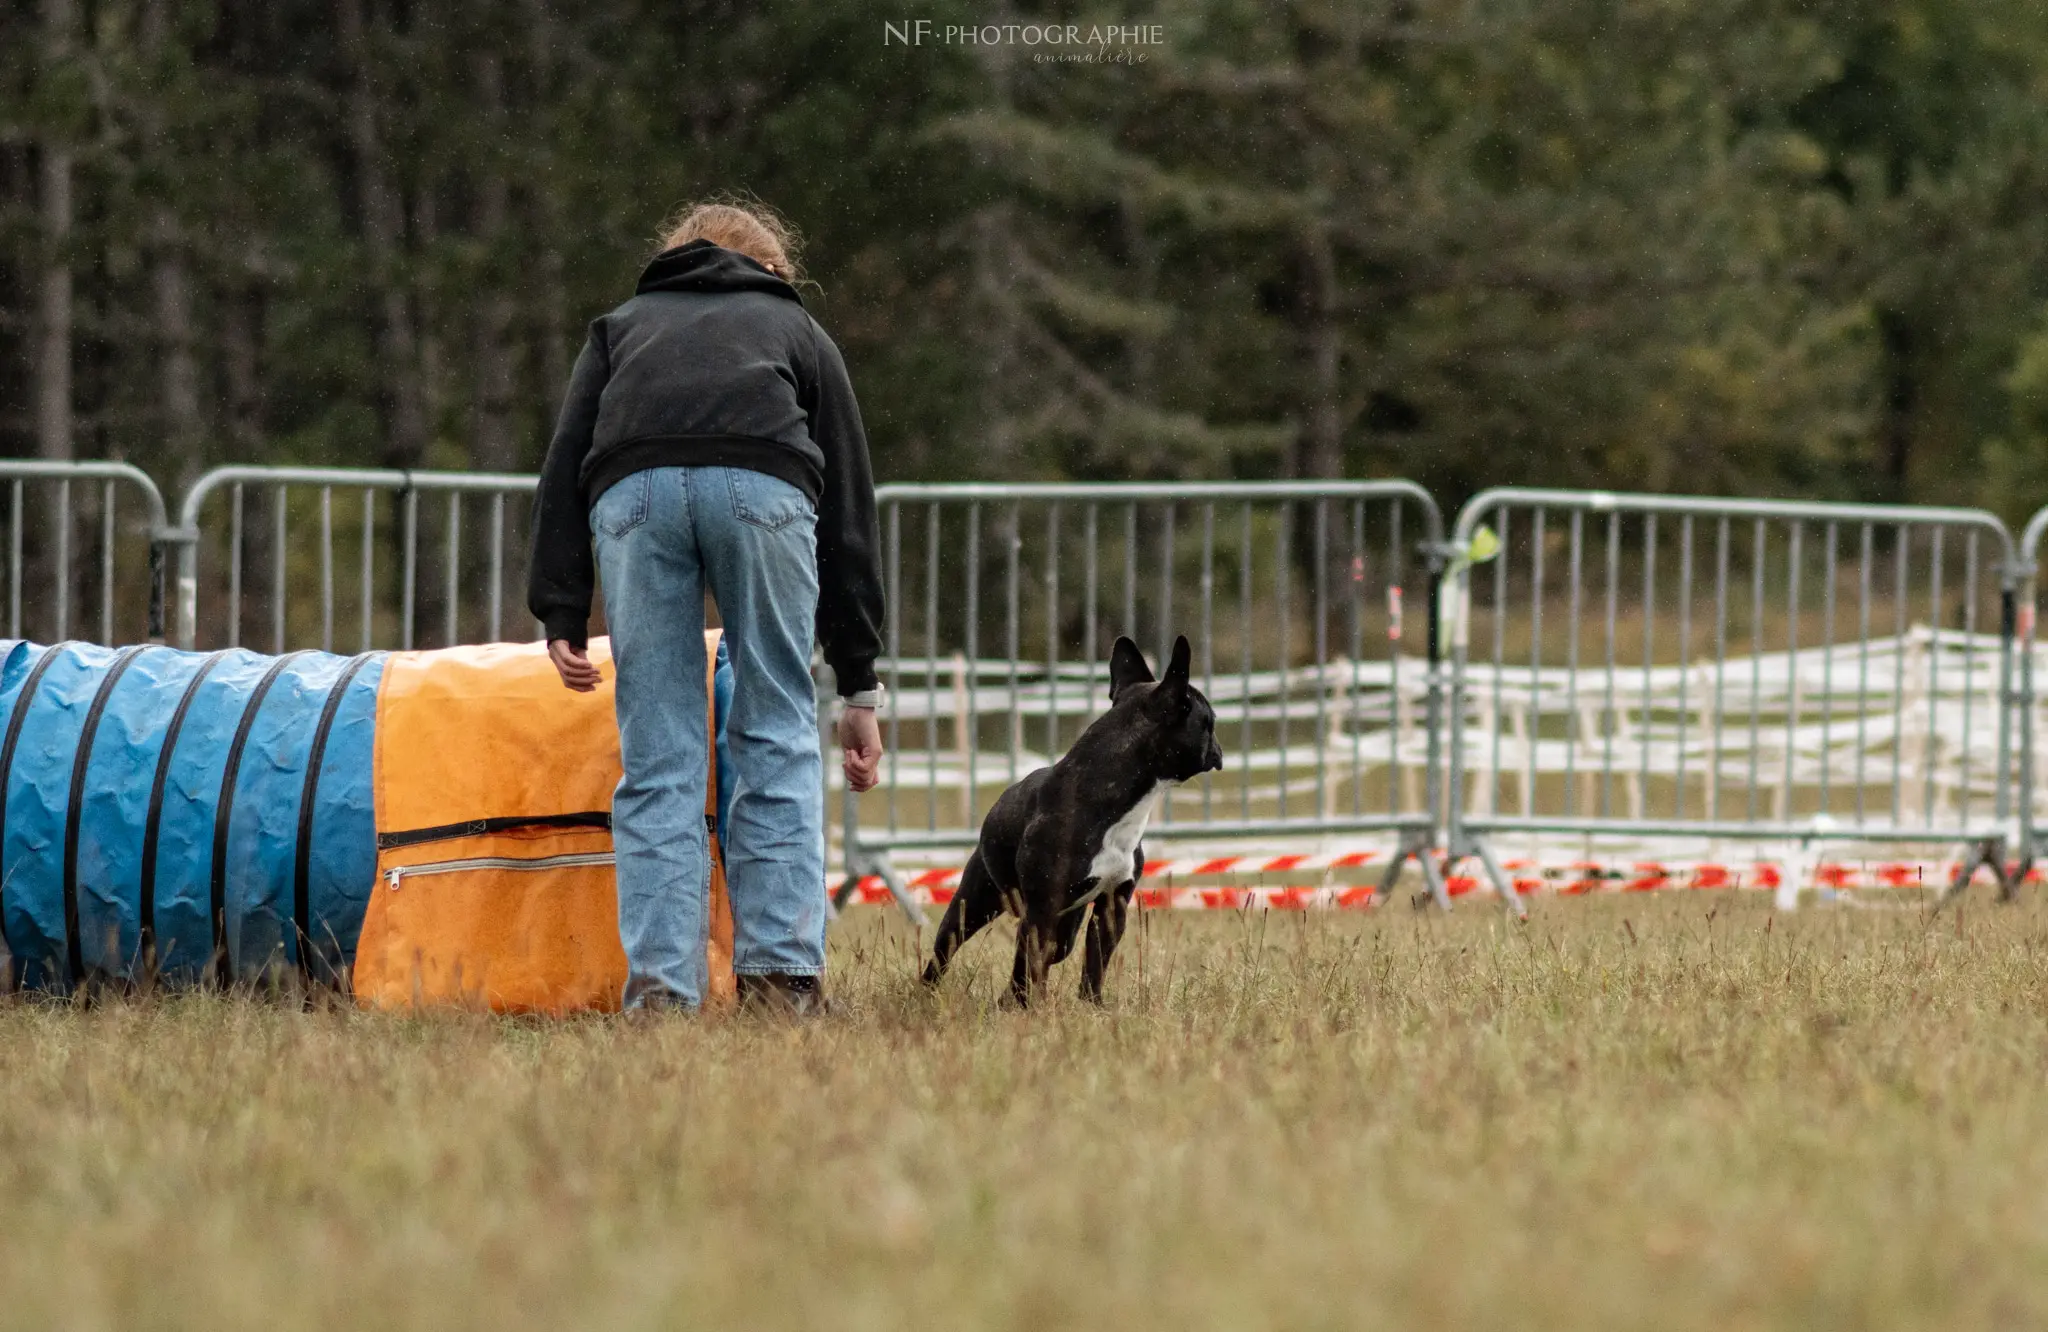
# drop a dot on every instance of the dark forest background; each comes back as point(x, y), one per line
point(1704, 245)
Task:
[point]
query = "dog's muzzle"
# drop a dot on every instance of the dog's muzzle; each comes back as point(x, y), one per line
point(1212, 758)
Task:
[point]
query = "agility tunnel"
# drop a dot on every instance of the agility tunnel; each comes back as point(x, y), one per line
point(416, 827)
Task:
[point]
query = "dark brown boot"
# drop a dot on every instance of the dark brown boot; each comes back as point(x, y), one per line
point(782, 995)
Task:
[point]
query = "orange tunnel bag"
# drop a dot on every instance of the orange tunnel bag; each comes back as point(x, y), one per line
point(495, 885)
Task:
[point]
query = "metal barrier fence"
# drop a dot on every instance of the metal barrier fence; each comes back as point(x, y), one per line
point(384, 536)
point(69, 572)
point(2032, 818)
point(1003, 601)
point(1622, 717)
point(1626, 666)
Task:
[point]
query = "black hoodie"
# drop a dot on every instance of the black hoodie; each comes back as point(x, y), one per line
point(714, 362)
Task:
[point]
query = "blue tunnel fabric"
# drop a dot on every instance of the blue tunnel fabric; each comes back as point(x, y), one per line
point(721, 708)
point(261, 843)
point(263, 834)
point(38, 787)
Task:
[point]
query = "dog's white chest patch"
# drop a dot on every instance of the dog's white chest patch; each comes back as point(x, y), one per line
point(1112, 863)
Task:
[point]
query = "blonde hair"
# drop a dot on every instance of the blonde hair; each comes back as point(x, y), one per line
point(748, 227)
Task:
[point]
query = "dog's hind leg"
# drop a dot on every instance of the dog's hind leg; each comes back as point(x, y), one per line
point(1043, 869)
point(976, 902)
point(1035, 945)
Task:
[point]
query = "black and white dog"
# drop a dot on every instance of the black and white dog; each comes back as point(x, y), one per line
point(1067, 837)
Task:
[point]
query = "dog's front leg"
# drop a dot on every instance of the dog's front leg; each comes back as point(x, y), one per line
point(1105, 931)
point(1106, 928)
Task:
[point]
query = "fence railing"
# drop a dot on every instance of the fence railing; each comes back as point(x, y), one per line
point(1617, 667)
point(75, 565)
point(1869, 706)
point(294, 591)
point(1003, 601)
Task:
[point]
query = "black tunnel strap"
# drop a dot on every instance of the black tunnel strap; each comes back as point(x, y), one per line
point(590, 818)
point(302, 859)
point(224, 813)
point(7, 746)
point(74, 947)
point(146, 896)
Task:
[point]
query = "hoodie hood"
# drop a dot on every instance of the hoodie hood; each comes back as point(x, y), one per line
point(702, 266)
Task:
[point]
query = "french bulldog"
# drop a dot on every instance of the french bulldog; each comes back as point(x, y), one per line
point(1066, 841)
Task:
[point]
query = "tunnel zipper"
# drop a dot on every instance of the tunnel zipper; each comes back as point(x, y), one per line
point(397, 874)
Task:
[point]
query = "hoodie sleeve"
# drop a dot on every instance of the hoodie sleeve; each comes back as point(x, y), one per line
point(561, 574)
point(849, 569)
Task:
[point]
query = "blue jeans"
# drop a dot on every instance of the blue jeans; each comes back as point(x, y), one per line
point(663, 537)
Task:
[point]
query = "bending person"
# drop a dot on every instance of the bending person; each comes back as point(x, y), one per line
point(710, 441)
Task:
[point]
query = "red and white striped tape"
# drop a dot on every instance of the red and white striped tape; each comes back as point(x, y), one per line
point(1164, 881)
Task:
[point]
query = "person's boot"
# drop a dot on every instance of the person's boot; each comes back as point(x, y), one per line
point(656, 1007)
point(782, 995)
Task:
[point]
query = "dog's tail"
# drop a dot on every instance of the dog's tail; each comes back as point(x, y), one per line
point(976, 902)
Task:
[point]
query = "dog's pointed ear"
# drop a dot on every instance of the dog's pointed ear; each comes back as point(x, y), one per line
point(1126, 667)
point(1177, 669)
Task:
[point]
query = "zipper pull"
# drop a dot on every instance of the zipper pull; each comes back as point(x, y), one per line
point(393, 875)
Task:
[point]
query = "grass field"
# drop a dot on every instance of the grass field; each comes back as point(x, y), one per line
point(1662, 1111)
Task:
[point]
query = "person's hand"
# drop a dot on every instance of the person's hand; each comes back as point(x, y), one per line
point(861, 737)
point(573, 666)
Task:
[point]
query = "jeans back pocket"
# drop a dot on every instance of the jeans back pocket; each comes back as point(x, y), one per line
point(766, 501)
point(622, 507)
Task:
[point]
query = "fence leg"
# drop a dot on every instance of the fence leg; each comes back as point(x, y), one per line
point(174, 554)
point(1416, 844)
point(861, 862)
point(1797, 873)
point(156, 591)
point(1433, 878)
point(1393, 874)
point(901, 892)
point(1502, 884)
point(849, 837)
point(2023, 704)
